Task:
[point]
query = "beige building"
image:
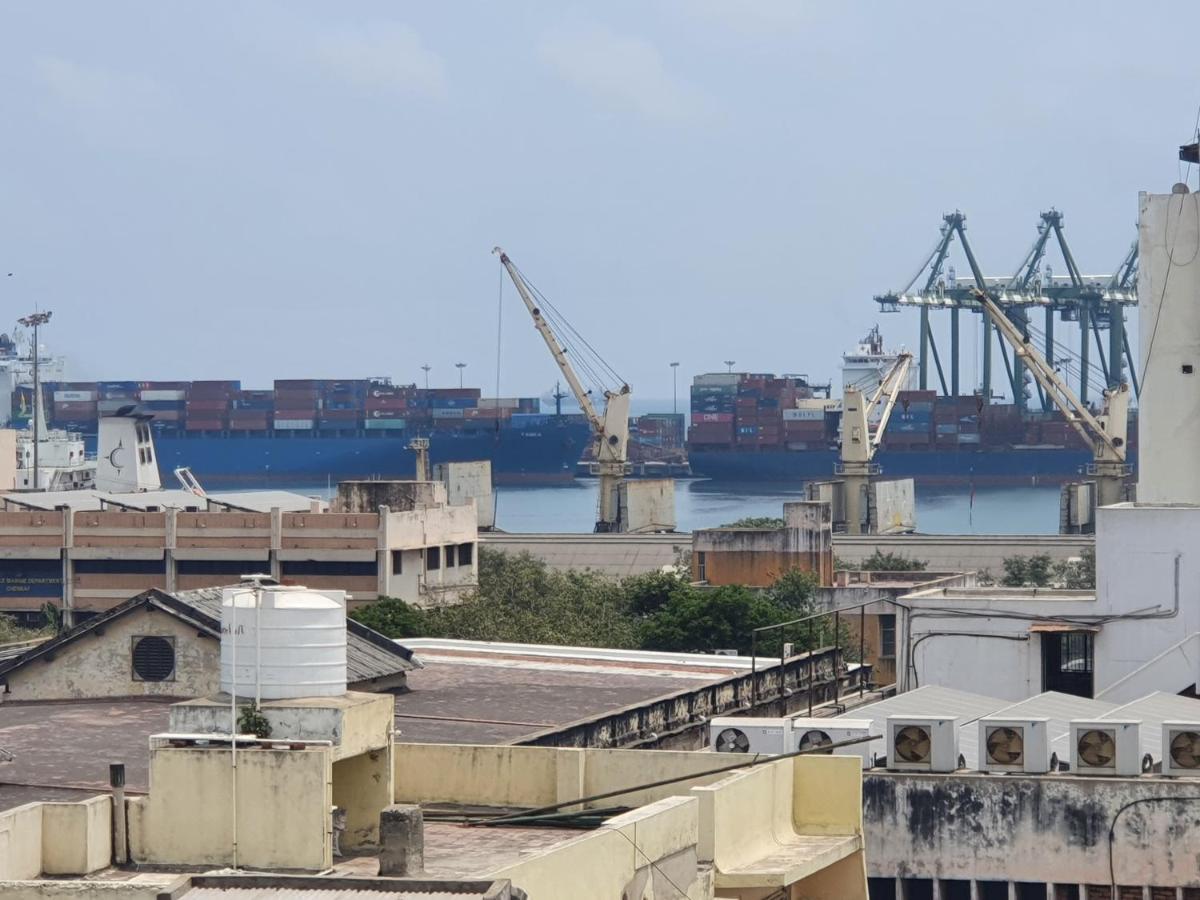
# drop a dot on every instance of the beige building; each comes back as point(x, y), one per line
point(168, 645)
point(87, 551)
point(758, 557)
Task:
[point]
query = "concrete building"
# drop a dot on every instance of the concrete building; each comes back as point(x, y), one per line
point(167, 645)
point(757, 557)
point(86, 551)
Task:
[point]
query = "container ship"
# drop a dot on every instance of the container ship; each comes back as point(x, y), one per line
point(754, 427)
point(314, 431)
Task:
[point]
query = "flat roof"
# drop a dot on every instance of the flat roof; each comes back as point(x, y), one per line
point(93, 500)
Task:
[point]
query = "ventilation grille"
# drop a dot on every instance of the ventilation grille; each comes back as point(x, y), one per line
point(913, 744)
point(732, 740)
point(153, 658)
point(1098, 749)
point(1005, 746)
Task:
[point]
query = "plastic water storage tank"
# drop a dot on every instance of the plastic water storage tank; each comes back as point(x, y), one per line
point(301, 651)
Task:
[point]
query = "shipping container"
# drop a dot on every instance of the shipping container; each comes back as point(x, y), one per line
point(447, 413)
point(207, 404)
point(499, 403)
point(947, 428)
point(385, 414)
point(298, 424)
point(74, 396)
point(156, 395)
point(384, 424)
point(716, 379)
point(392, 402)
point(701, 418)
point(215, 424)
point(804, 415)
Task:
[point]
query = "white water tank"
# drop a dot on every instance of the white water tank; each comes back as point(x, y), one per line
point(292, 645)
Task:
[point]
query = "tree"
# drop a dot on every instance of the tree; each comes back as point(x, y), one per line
point(1078, 574)
point(891, 562)
point(1027, 571)
point(794, 590)
point(392, 617)
point(701, 620)
point(648, 593)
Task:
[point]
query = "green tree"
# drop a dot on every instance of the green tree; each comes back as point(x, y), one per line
point(1028, 571)
point(648, 593)
point(891, 562)
point(794, 590)
point(701, 620)
point(1077, 574)
point(392, 617)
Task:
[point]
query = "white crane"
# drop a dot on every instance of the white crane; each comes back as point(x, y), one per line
point(1104, 434)
point(859, 441)
point(610, 429)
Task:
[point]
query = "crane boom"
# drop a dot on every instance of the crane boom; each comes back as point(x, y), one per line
point(610, 430)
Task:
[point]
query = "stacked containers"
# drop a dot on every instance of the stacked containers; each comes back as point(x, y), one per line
point(341, 405)
point(296, 402)
point(165, 400)
point(75, 404)
point(447, 406)
point(208, 404)
point(663, 430)
point(386, 405)
point(911, 426)
point(714, 399)
point(251, 410)
point(113, 395)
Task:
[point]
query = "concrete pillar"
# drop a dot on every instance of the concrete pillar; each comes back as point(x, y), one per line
point(937, 882)
point(383, 556)
point(402, 841)
point(1012, 890)
point(975, 884)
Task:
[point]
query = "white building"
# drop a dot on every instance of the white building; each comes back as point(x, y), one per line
point(1139, 631)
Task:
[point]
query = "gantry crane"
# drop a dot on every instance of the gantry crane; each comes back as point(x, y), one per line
point(860, 441)
point(610, 429)
point(1104, 434)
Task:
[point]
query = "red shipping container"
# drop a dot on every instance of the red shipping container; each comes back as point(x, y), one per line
point(387, 402)
point(208, 405)
point(706, 418)
point(388, 413)
point(340, 415)
point(297, 399)
point(206, 424)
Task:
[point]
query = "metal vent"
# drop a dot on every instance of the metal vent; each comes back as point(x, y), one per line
point(733, 740)
point(814, 739)
point(1005, 746)
point(913, 744)
point(153, 658)
point(1098, 749)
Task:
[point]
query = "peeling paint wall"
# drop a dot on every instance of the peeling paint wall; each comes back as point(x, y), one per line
point(101, 664)
point(1041, 829)
point(759, 556)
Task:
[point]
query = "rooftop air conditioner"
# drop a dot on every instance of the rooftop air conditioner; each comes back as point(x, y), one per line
point(922, 743)
point(740, 734)
point(812, 733)
point(1181, 749)
point(1014, 745)
point(1106, 747)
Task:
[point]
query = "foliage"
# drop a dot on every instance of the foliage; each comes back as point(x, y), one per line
point(757, 522)
point(1078, 574)
point(520, 599)
point(11, 632)
point(891, 562)
point(252, 721)
point(1028, 571)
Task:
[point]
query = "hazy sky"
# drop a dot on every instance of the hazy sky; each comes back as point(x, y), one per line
point(261, 190)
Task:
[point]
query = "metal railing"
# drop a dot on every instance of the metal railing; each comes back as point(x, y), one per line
point(811, 621)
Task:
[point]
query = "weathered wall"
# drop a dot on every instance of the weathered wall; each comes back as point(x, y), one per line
point(102, 665)
point(467, 481)
point(77, 837)
point(893, 505)
point(21, 842)
point(283, 809)
point(398, 496)
point(362, 786)
point(759, 556)
point(977, 826)
point(647, 504)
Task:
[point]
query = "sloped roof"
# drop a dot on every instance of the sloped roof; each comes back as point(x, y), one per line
point(369, 655)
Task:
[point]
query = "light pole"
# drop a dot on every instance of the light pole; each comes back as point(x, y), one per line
point(675, 388)
point(729, 363)
point(460, 367)
point(35, 321)
point(425, 368)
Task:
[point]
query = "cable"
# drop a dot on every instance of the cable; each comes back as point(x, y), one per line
point(1166, 279)
point(1112, 831)
point(653, 864)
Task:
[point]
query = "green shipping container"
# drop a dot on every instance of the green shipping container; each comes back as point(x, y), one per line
point(384, 424)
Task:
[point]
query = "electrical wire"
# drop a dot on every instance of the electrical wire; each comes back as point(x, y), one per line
point(1112, 830)
point(653, 864)
point(1166, 279)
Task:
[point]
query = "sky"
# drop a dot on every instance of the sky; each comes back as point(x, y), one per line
point(303, 189)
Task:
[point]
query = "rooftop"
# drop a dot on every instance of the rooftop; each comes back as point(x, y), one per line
point(91, 499)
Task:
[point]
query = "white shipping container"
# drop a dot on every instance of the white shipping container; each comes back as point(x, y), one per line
point(804, 415)
point(293, 424)
point(74, 396)
point(447, 413)
point(499, 403)
point(164, 395)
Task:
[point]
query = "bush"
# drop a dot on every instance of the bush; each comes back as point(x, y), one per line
point(1027, 571)
point(757, 522)
point(890, 562)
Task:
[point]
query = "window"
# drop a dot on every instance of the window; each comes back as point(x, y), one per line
point(701, 573)
point(887, 635)
point(450, 563)
point(332, 568)
point(1067, 662)
point(433, 558)
point(466, 553)
point(153, 658)
point(397, 562)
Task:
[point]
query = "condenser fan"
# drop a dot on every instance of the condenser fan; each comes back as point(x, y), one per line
point(814, 739)
point(1185, 749)
point(913, 744)
point(1098, 749)
point(732, 740)
point(1005, 746)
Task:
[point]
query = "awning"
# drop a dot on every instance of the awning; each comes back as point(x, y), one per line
point(1061, 628)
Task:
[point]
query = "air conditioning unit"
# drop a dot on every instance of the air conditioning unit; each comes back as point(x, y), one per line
point(1106, 747)
point(922, 743)
point(1014, 745)
point(740, 734)
point(1181, 749)
point(813, 733)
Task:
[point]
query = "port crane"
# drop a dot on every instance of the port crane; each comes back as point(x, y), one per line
point(610, 428)
point(1104, 434)
point(856, 461)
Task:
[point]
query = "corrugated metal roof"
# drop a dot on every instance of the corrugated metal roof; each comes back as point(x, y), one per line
point(933, 700)
point(1060, 709)
point(1152, 710)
